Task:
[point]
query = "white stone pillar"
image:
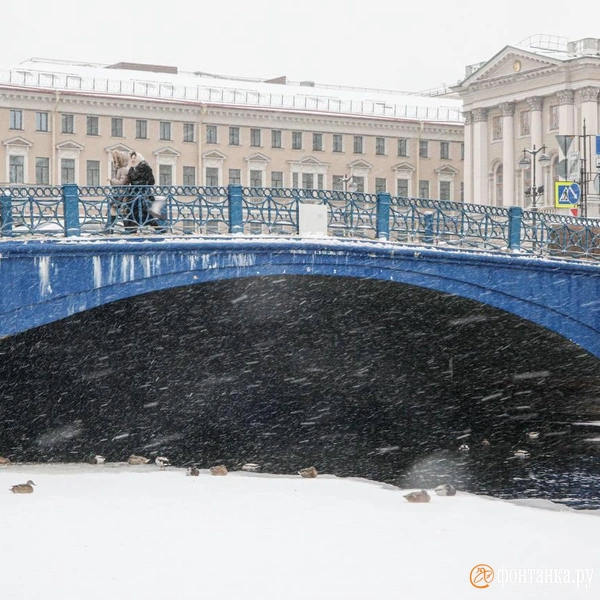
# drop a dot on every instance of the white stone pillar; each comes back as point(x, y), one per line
point(508, 154)
point(535, 106)
point(480, 156)
point(468, 161)
point(566, 124)
point(589, 110)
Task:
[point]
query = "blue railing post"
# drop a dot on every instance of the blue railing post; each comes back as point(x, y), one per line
point(6, 219)
point(236, 217)
point(515, 219)
point(71, 207)
point(428, 236)
point(384, 201)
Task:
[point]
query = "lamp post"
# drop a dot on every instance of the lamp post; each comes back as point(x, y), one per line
point(526, 163)
point(349, 188)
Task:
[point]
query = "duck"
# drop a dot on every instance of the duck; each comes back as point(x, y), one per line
point(193, 471)
point(162, 462)
point(463, 448)
point(23, 488)
point(485, 442)
point(533, 435)
point(251, 467)
point(98, 459)
point(522, 454)
point(138, 460)
point(218, 470)
point(421, 496)
point(445, 490)
point(309, 472)
point(4, 461)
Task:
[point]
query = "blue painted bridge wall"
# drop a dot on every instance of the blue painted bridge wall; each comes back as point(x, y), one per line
point(47, 280)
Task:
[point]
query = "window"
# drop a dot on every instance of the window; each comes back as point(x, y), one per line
point(235, 175)
point(402, 147)
point(16, 119)
point(189, 176)
point(499, 185)
point(380, 146)
point(92, 170)
point(380, 184)
point(307, 181)
point(276, 179)
point(255, 137)
point(554, 119)
point(165, 132)
point(116, 127)
point(16, 167)
point(212, 176)
point(423, 149)
point(360, 183)
point(165, 174)
point(525, 121)
point(296, 140)
point(358, 144)
point(445, 150)
point(496, 128)
point(462, 191)
point(295, 180)
point(91, 125)
point(67, 170)
point(317, 141)
point(211, 134)
point(423, 189)
point(402, 188)
point(320, 180)
point(189, 132)
point(42, 171)
point(256, 177)
point(462, 151)
point(141, 129)
point(68, 123)
point(337, 183)
point(234, 136)
point(41, 121)
point(444, 190)
point(275, 138)
point(338, 142)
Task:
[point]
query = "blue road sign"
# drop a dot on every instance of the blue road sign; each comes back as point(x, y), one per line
point(598, 144)
point(566, 194)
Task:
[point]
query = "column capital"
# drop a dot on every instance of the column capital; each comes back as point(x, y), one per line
point(468, 115)
point(508, 109)
point(535, 103)
point(565, 97)
point(589, 94)
point(480, 114)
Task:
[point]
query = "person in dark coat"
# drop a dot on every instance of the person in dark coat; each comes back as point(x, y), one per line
point(139, 176)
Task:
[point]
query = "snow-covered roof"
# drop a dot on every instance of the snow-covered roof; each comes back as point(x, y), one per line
point(169, 84)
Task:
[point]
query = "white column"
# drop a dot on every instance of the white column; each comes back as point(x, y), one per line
point(566, 124)
point(589, 110)
point(468, 161)
point(508, 154)
point(535, 106)
point(480, 157)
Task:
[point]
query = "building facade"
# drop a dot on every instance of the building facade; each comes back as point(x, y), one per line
point(60, 121)
point(522, 99)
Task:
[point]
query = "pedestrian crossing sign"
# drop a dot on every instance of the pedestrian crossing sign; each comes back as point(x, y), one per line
point(566, 194)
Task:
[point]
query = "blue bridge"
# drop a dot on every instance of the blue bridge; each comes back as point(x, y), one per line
point(57, 257)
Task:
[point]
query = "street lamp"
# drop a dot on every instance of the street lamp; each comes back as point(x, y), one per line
point(352, 187)
point(525, 163)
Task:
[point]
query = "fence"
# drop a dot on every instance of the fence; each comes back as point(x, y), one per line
point(85, 211)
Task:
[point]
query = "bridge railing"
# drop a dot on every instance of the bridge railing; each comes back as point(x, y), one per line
point(70, 210)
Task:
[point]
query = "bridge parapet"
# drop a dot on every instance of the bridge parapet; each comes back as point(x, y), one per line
point(190, 210)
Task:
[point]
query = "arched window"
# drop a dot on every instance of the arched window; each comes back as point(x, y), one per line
point(499, 185)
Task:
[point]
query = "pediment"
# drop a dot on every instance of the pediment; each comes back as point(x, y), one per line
point(446, 170)
point(118, 148)
point(309, 161)
point(257, 157)
point(511, 62)
point(360, 164)
point(17, 141)
point(69, 145)
point(404, 166)
point(215, 154)
point(166, 151)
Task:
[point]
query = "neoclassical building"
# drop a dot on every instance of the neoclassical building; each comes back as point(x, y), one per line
point(59, 122)
point(521, 99)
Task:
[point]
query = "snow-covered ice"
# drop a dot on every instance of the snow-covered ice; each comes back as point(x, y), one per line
point(107, 531)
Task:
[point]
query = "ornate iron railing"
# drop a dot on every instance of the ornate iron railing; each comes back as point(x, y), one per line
point(186, 210)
